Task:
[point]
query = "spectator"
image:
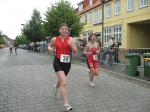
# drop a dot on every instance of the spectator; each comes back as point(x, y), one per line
point(16, 46)
point(116, 51)
point(10, 48)
point(81, 46)
point(108, 49)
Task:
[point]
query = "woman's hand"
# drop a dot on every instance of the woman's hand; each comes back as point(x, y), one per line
point(51, 45)
point(50, 49)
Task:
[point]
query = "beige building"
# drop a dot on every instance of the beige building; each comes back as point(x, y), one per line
point(127, 20)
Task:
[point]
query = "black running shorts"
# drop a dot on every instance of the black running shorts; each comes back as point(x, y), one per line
point(59, 66)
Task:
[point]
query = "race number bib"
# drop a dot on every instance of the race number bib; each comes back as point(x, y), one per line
point(95, 57)
point(65, 58)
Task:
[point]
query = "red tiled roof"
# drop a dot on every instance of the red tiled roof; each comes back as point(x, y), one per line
point(87, 7)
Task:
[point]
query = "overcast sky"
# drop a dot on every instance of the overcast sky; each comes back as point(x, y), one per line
point(13, 13)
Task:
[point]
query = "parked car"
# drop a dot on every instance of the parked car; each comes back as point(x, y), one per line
point(36, 48)
point(30, 48)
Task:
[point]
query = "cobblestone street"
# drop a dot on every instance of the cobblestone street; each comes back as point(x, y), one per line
point(27, 79)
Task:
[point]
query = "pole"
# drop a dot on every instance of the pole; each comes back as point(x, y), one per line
point(102, 2)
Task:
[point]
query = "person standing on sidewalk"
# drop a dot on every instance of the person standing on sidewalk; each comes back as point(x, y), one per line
point(10, 48)
point(92, 50)
point(16, 46)
point(63, 45)
point(116, 51)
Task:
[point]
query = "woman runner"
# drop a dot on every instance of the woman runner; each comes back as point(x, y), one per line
point(63, 45)
point(92, 50)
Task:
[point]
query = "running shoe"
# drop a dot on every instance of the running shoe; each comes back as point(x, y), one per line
point(92, 84)
point(67, 107)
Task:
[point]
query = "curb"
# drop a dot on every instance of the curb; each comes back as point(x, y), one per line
point(140, 82)
point(132, 79)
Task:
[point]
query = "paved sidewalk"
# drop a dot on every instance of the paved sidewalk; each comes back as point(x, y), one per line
point(28, 87)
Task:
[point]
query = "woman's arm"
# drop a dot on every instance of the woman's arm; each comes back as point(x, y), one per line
point(51, 45)
point(73, 45)
point(86, 50)
point(98, 47)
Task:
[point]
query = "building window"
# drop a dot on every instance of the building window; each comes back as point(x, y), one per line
point(130, 5)
point(117, 7)
point(143, 3)
point(80, 7)
point(96, 15)
point(108, 9)
point(98, 35)
point(90, 16)
point(100, 13)
point(85, 18)
point(97, 18)
point(91, 2)
point(117, 32)
point(107, 33)
point(80, 19)
point(87, 34)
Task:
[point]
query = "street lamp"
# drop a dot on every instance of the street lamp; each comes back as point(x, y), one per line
point(102, 2)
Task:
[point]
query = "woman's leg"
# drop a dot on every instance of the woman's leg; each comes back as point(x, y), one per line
point(97, 67)
point(96, 71)
point(58, 84)
point(62, 86)
point(91, 74)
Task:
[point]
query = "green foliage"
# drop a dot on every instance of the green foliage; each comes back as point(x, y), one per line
point(62, 12)
point(21, 39)
point(33, 28)
point(2, 38)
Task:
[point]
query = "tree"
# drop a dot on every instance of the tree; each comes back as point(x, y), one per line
point(33, 28)
point(2, 38)
point(62, 12)
point(21, 39)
